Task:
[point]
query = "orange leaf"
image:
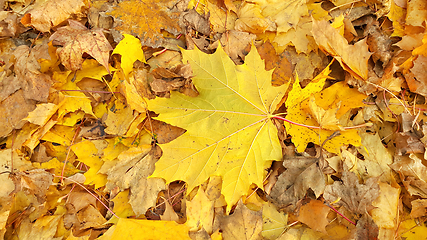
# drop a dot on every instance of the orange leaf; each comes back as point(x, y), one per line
point(314, 214)
point(146, 19)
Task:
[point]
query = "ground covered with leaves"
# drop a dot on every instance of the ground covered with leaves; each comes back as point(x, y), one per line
point(213, 119)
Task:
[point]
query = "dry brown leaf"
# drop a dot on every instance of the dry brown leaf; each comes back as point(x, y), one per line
point(300, 175)
point(366, 228)
point(75, 40)
point(237, 44)
point(353, 58)
point(242, 224)
point(356, 197)
point(48, 14)
point(417, 77)
point(146, 19)
point(130, 170)
point(35, 85)
point(10, 118)
point(163, 132)
point(419, 208)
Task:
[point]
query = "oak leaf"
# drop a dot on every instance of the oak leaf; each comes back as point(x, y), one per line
point(75, 40)
point(146, 19)
point(229, 132)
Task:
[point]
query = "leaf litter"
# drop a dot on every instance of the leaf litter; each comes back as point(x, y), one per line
point(117, 132)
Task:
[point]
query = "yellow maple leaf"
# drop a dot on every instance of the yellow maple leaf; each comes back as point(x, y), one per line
point(129, 44)
point(275, 222)
point(302, 135)
point(229, 132)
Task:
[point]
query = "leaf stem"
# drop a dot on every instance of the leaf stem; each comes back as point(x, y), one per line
point(87, 91)
point(327, 204)
point(316, 127)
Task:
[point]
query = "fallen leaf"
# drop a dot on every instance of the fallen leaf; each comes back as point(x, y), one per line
point(274, 222)
point(122, 208)
point(146, 19)
point(48, 14)
point(314, 214)
point(419, 208)
point(302, 135)
point(169, 214)
point(10, 118)
point(200, 212)
point(75, 40)
point(416, 12)
point(366, 228)
point(356, 197)
point(233, 108)
point(300, 175)
point(353, 58)
point(88, 153)
point(237, 44)
point(129, 44)
point(242, 224)
point(130, 170)
point(385, 212)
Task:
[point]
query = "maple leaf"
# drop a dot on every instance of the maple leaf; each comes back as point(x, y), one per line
point(274, 222)
point(302, 135)
point(229, 132)
point(292, 185)
point(146, 19)
point(75, 40)
point(354, 196)
point(48, 14)
point(353, 58)
point(314, 214)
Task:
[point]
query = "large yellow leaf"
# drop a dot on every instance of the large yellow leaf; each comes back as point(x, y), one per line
point(229, 132)
point(298, 113)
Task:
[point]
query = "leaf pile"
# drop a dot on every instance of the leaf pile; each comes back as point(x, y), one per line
point(208, 119)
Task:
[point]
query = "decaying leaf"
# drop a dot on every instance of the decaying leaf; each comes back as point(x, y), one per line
point(242, 224)
point(351, 194)
point(146, 19)
point(75, 40)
